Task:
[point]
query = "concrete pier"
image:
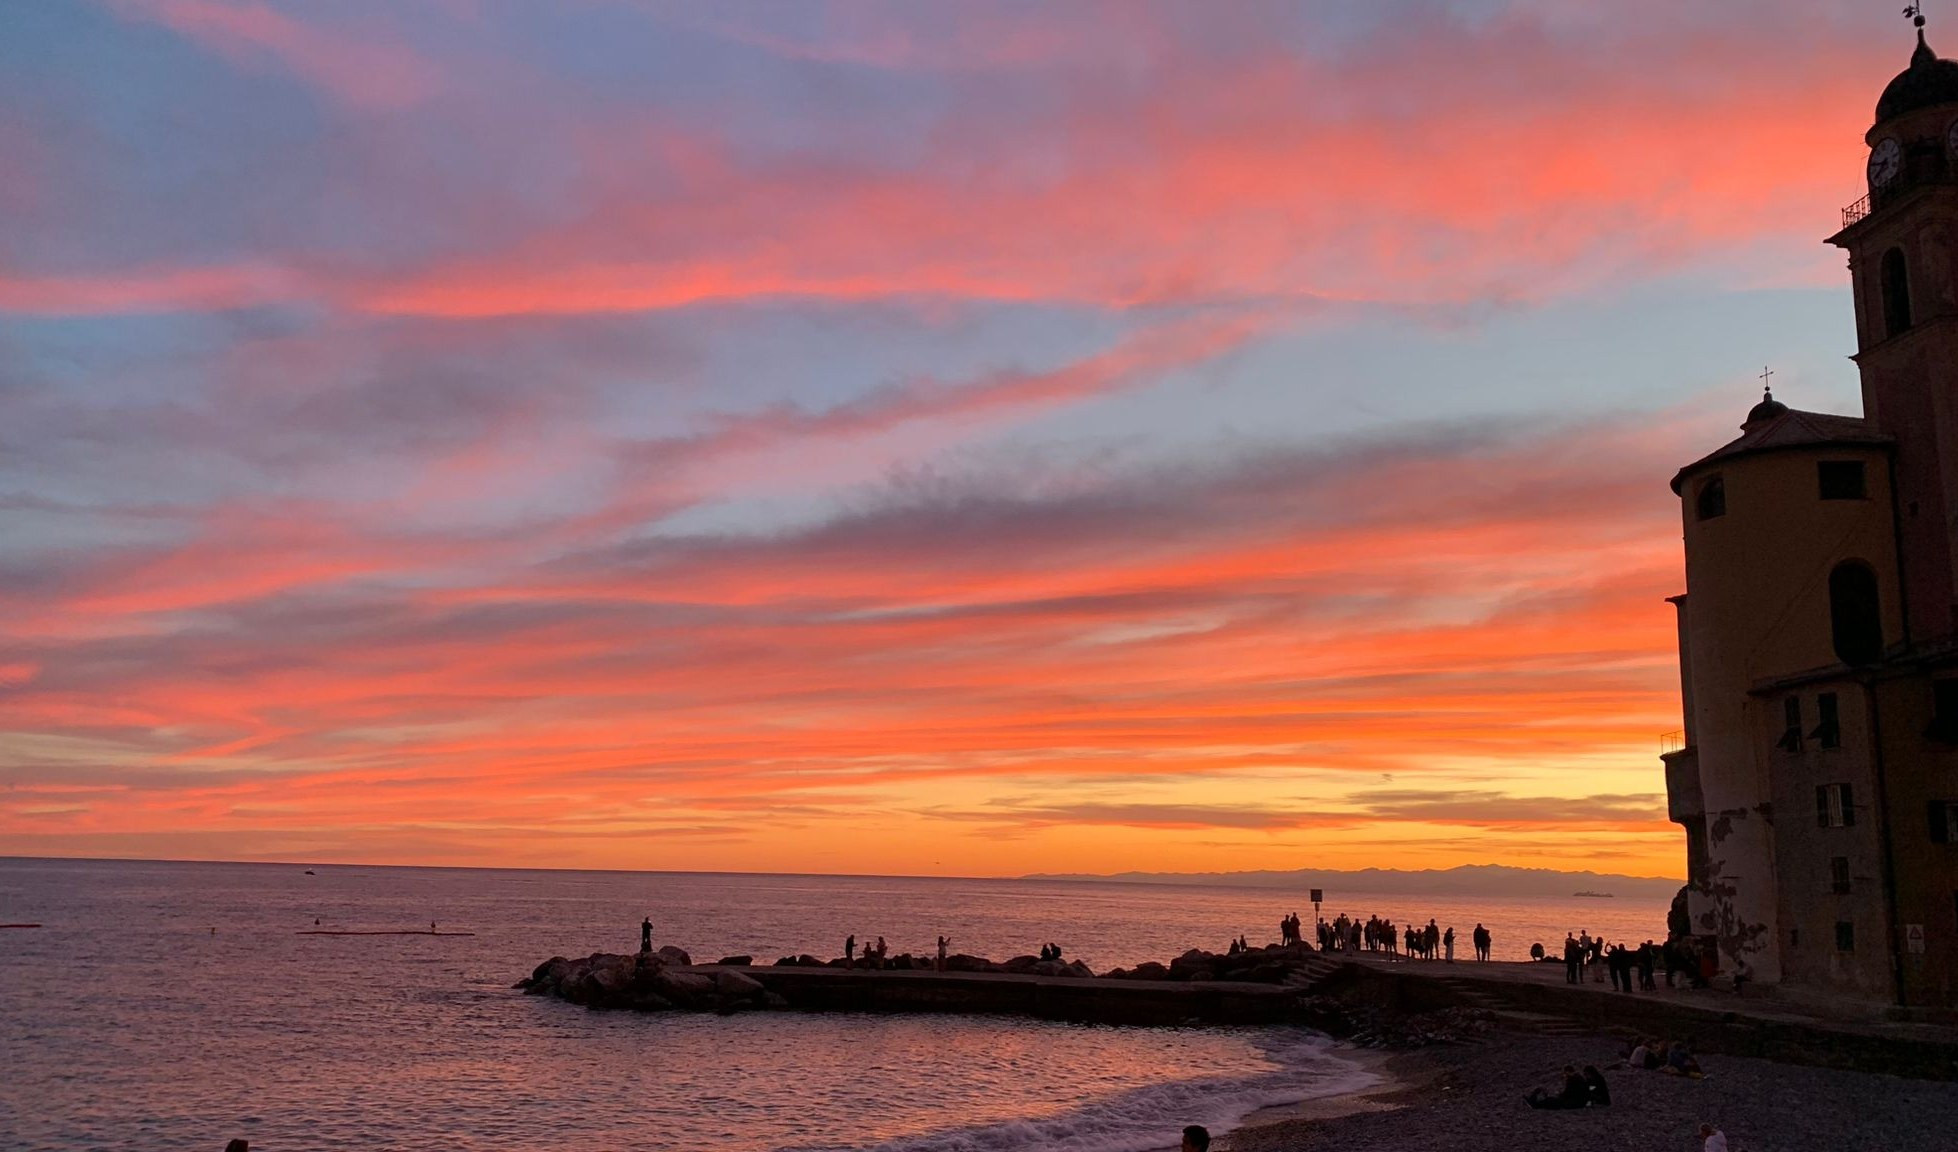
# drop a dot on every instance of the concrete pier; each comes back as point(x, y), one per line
point(1086, 1000)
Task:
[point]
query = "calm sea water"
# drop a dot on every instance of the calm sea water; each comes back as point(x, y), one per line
point(173, 1006)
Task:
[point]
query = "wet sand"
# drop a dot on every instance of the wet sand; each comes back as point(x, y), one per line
point(1469, 1098)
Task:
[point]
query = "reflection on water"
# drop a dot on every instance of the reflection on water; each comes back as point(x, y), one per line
point(173, 1006)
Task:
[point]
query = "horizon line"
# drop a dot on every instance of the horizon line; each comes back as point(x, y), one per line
point(1110, 877)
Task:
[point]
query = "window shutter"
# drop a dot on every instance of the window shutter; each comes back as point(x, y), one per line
point(1940, 823)
point(1848, 806)
point(1822, 806)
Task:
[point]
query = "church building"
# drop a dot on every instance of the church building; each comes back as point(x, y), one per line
point(1817, 781)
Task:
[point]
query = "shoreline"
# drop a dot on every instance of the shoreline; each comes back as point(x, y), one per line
point(1394, 1078)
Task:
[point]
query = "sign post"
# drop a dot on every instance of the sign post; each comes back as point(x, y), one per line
point(1318, 894)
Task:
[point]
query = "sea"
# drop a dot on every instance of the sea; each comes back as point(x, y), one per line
point(178, 1006)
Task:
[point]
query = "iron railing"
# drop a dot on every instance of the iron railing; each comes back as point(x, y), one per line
point(1856, 211)
point(1670, 742)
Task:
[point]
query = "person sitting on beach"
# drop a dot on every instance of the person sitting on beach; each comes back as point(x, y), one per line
point(1680, 1062)
point(1643, 1056)
point(1575, 1094)
point(1598, 1094)
point(1716, 1140)
point(1536, 951)
point(1196, 1138)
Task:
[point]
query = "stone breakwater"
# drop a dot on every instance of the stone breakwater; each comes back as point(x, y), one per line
point(668, 979)
point(648, 982)
point(1261, 986)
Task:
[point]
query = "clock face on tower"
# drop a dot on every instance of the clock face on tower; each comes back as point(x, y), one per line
point(1886, 160)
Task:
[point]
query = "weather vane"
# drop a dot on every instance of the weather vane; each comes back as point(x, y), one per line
point(1916, 14)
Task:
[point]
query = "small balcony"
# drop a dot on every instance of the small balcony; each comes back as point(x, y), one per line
point(1684, 803)
point(1670, 742)
point(1855, 212)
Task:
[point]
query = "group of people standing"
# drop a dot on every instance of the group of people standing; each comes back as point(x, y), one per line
point(873, 954)
point(1378, 934)
point(1627, 966)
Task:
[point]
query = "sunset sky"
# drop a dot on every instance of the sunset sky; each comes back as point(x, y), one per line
point(899, 438)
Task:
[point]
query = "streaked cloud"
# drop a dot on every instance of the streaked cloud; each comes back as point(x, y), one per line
point(876, 438)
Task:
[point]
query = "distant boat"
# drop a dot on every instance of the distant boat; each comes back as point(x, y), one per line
point(1595, 895)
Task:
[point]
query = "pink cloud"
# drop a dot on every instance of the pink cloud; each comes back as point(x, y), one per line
point(367, 72)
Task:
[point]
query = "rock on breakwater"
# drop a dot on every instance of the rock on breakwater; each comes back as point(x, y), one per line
point(647, 982)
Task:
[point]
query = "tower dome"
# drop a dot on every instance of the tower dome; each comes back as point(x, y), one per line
point(1767, 409)
point(1927, 83)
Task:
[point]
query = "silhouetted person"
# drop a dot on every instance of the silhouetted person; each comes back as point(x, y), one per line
point(849, 951)
point(1576, 1093)
point(1481, 938)
point(942, 942)
point(1448, 943)
point(238, 1146)
point(1573, 960)
point(1196, 1138)
point(1598, 1095)
point(646, 934)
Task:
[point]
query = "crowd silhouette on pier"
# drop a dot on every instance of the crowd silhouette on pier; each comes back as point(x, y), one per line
point(1379, 934)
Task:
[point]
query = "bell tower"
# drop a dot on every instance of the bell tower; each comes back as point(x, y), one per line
point(1902, 240)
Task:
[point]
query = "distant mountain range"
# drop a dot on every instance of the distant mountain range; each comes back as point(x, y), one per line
point(1466, 880)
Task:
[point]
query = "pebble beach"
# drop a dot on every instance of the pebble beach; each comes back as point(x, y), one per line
point(1469, 1098)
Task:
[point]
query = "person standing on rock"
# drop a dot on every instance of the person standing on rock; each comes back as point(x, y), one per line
point(646, 934)
point(850, 951)
point(942, 942)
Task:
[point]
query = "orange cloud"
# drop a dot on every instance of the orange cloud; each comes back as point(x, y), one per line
point(1350, 614)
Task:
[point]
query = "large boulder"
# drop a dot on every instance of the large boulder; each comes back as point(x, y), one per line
point(673, 955)
point(736, 961)
point(964, 963)
point(1021, 965)
point(1148, 970)
point(1191, 963)
point(735, 986)
point(545, 977)
point(686, 989)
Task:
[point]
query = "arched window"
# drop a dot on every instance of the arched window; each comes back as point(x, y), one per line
point(1896, 292)
point(1711, 500)
point(1855, 618)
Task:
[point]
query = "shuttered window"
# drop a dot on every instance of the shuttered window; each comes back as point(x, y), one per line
point(1835, 806)
point(1829, 730)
